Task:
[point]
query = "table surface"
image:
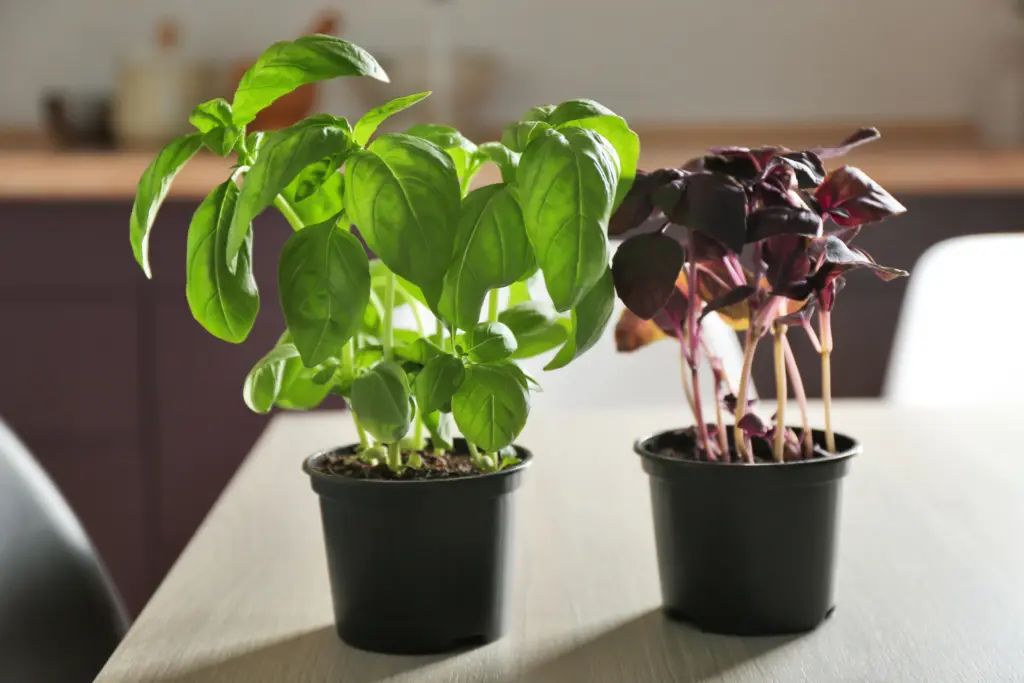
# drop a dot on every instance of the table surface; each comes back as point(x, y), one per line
point(931, 560)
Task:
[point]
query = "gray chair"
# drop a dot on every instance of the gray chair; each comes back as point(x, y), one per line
point(60, 616)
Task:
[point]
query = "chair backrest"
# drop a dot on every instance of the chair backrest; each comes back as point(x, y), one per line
point(955, 343)
point(60, 617)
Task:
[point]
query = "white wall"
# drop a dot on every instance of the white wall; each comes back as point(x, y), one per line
point(654, 61)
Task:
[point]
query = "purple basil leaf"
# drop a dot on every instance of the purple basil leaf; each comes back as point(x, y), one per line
point(789, 262)
point(670, 198)
point(782, 220)
point(752, 424)
point(847, 235)
point(671, 316)
point(645, 268)
point(636, 207)
point(862, 136)
point(810, 172)
point(852, 198)
point(730, 298)
point(716, 205)
point(704, 249)
point(740, 164)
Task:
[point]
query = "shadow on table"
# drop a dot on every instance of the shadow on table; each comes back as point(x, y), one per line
point(314, 656)
point(650, 648)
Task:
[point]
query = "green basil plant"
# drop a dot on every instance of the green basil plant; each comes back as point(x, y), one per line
point(465, 254)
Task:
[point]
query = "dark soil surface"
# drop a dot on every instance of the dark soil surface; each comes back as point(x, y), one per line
point(682, 445)
point(435, 466)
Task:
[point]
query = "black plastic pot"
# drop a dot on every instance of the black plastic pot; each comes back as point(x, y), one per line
point(746, 549)
point(419, 567)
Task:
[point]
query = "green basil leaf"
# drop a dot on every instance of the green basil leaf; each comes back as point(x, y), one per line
point(152, 190)
point(403, 194)
point(490, 342)
point(326, 202)
point(573, 110)
point(536, 326)
point(286, 65)
point(213, 120)
point(254, 143)
point(324, 281)
point(542, 113)
point(491, 406)
point(284, 155)
point(380, 399)
point(567, 183)
point(492, 251)
point(506, 160)
point(460, 148)
point(263, 383)
point(371, 120)
point(223, 302)
point(625, 142)
point(589, 319)
point(312, 178)
point(442, 429)
point(438, 382)
point(300, 389)
point(518, 136)
point(421, 351)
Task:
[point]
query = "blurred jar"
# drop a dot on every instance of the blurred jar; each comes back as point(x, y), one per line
point(157, 88)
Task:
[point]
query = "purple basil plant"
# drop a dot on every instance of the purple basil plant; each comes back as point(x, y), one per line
point(766, 241)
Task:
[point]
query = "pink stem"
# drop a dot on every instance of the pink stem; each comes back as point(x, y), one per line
point(693, 329)
point(801, 397)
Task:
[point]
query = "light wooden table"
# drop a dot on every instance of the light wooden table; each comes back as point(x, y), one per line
point(930, 571)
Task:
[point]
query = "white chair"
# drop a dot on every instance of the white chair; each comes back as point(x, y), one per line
point(957, 341)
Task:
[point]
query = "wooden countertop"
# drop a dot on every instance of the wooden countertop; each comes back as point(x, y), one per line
point(929, 568)
point(910, 159)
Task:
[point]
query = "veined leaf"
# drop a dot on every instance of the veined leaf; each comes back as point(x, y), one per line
point(490, 342)
point(263, 383)
point(567, 182)
point(380, 399)
point(438, 382)
point(213, 120)
point(286, 65)
point(491, 406)
point(460, 148)
point(371, 120)
point(589, 318)
point(324, 280)
point(492, 251)
point(282, 157)
point(626, 143)
point(223, 302)
point(403, 194)
point(518, 136)
point(152, 190)
point(536, 326)
point(506, 160)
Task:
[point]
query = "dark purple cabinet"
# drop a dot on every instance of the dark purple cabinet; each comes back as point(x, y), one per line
point(136, 411)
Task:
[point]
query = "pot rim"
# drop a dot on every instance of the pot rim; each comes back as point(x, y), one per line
point(853, 447)
point(524, 454)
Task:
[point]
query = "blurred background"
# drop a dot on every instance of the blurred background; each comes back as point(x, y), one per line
point(136, 412)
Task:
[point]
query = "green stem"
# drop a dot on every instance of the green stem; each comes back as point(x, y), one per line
point(417, 437)
point(348, 354)
point(288, 212)
point(492, 305)
point(394, 457)
point(387, 334)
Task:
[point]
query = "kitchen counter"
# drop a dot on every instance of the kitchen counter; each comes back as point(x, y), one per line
point(916, 159)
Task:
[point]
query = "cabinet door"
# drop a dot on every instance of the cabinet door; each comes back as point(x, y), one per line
point(69, 340)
